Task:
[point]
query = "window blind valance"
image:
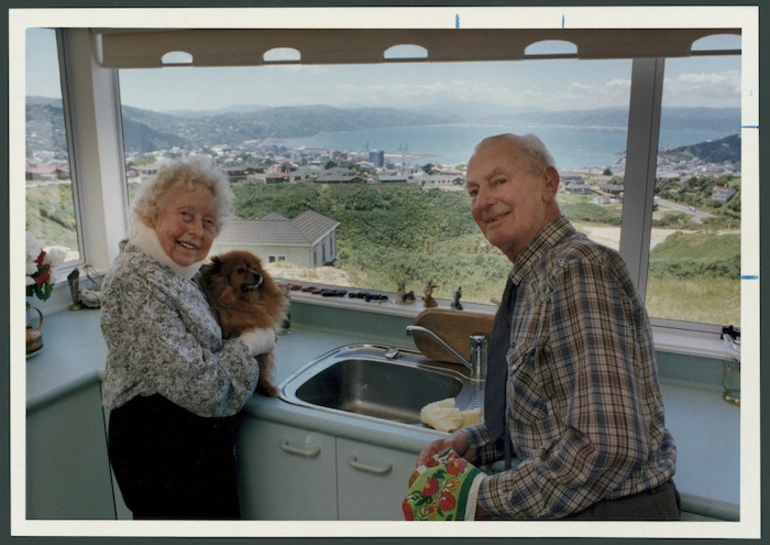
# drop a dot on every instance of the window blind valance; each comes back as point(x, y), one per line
point(145, 48)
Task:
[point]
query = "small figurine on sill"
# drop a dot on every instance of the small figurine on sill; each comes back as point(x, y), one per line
point(428, 299)
point(402, 297)
point(456, 305)
point(73, 280)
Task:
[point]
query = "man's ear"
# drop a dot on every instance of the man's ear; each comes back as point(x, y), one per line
point(551, 186)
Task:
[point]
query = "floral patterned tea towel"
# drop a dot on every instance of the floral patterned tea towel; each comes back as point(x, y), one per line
point(445, 488)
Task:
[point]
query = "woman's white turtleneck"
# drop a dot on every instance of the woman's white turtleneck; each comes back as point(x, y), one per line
point(147, 240)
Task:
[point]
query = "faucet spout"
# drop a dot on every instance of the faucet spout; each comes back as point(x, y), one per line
point(478, 363)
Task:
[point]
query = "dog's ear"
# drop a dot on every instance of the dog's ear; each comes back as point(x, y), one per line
point(212, 268)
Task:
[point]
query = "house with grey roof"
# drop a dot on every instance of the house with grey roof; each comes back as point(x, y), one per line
point(392, 178)
point(307, 240)
point(440, 180)
point(722, 193)
point(330, 178)
point(574, 183)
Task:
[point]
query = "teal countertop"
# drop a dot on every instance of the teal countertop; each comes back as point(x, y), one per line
point(706, 428)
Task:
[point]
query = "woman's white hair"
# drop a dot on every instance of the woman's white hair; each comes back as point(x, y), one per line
point(182, 174)
point(538, 156)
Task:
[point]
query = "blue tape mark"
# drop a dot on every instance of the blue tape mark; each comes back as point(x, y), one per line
point(749, 126)
point(562, 20)
point(457, 20)
point(749, 277)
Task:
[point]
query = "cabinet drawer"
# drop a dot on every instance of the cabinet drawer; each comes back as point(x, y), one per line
point(372, 480)
point(286, 473)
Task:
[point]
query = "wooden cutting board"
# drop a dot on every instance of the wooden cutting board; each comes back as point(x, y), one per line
point(455, 327)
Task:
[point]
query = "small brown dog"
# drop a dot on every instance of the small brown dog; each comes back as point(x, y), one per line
point(243, 296)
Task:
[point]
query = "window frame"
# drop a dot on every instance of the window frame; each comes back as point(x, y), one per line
point(643, 132)
point(69, 130)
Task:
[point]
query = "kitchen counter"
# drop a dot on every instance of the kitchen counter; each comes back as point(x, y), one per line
point(706, 429)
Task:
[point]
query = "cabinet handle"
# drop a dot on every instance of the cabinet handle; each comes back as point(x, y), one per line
point(306, 452)
point(354, 463)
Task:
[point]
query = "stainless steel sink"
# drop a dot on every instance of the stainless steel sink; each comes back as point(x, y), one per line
point(377, 382)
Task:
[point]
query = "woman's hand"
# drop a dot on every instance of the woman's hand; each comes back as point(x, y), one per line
point(259, 341)
point(458, 441)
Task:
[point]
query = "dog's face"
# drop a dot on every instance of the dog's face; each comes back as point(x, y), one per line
point(241, 270)
point(244, 275)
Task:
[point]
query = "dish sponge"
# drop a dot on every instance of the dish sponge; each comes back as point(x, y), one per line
point(444, 416)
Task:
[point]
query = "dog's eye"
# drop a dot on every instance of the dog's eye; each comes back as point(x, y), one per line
point(240, 270)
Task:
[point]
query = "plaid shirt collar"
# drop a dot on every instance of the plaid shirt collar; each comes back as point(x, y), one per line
point(556, 231)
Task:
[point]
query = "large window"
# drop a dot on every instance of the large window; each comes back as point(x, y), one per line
point(50, 197)
point(381, 149)
point(695, 250)
point(377, 153)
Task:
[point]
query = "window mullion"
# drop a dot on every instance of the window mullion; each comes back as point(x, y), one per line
point(67, 109)
point(641, 165)
point(98, 147)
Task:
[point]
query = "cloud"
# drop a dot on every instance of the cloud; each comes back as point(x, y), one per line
point(709, 88)
point(688, 89)
point(559, 96)
point(409, 94)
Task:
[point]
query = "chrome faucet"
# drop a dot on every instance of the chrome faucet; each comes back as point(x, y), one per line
point(478, 363)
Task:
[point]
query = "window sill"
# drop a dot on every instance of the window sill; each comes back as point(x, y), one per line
point(669, 336)
point(703, 343)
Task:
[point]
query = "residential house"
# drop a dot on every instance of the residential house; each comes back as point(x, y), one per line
point(612, 189)
point(277, 177)
point(722, 193)
point(332, 178)
point(392, 179)
point(307, 240)
point(41, 173)
point(574, 183)
point(237, 174)
point(441, 180)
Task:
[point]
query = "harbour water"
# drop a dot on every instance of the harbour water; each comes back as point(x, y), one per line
point(574, 148)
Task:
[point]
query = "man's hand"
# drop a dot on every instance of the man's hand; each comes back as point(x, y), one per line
point(458, 442)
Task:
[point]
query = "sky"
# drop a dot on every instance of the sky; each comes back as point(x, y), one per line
point(547, 84)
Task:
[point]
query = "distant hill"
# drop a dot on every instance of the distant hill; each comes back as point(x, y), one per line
point(235, 127)
point(146, 130)
point(45, 127)
point(723, 150)
point(718, 119)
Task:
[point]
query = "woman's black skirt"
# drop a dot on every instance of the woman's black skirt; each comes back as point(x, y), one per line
point(172, 464)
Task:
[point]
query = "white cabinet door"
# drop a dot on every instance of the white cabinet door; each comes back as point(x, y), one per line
point(286, 473)
point(68, 471)
point(372, 480)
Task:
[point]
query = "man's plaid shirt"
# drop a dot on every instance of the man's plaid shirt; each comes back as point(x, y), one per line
point(585, 411)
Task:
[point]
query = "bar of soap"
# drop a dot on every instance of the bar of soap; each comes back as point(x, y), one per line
point(472, 417)
point(445, 416)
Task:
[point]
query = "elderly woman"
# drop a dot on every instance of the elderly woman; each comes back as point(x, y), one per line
point(173, 385)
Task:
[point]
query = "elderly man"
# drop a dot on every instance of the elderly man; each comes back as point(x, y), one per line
point(572, 388)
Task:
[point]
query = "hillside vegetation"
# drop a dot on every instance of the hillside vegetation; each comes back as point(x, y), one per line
point(722, 150)
point(405, 234)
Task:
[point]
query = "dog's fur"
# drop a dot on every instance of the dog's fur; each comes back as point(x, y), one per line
point(244, 296)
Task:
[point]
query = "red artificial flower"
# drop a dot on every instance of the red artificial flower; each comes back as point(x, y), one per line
point(42, 279)
point(432, 462)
